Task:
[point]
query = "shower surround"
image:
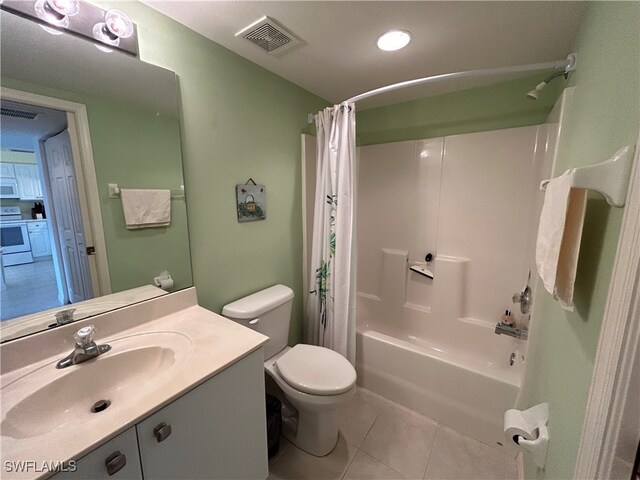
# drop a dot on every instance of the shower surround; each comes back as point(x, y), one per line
point(473, 201)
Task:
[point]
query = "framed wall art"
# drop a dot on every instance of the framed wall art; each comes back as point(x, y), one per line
point(251, 201)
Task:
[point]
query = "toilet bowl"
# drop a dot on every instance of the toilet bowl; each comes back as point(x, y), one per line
point(315, 381)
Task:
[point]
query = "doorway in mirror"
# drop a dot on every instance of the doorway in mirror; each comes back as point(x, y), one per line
point(43, 234)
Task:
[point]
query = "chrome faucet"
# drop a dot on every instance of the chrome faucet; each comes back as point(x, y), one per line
point(512, 331)
point(85, 348)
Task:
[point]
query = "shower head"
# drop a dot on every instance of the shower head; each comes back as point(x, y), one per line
point(535, 93)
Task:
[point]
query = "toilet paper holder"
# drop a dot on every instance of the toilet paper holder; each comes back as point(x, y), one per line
point(527, 429)
point(164, 281)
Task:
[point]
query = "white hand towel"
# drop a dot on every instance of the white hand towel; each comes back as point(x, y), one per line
point(559, 236)
point(146, 208)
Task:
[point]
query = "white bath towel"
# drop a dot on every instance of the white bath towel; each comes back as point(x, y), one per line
point(559, 235)
point(146, 208)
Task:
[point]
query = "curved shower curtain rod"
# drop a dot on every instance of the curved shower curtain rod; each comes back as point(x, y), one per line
point(569, 65)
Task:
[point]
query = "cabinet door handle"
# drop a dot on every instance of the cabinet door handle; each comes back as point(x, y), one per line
point(115, 462)
point(162, 431)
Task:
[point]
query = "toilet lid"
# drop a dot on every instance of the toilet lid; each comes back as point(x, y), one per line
point(316, 370)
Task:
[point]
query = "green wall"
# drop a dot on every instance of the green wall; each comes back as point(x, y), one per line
point(239, 121)
point(133, 147)
point(605, 117)
point(492, 107)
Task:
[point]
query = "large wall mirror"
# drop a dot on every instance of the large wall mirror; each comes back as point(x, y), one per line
point(76, 118)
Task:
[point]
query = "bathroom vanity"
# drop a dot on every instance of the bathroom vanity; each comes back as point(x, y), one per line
point(180, 394)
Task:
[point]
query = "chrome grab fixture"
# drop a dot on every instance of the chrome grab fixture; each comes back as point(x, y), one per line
point(524, 297)
point(512, 358)
point(85, 349)
point(512, 331)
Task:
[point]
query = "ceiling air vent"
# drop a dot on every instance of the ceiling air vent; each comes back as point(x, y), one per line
point(14, 112)
point(269, 35)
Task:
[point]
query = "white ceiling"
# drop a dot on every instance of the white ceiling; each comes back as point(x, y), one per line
point(21, 133)
point(339, 58)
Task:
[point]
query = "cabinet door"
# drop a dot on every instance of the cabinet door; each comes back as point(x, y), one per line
point(218, 430)
point(39, 238)
point(28, 181)
point(6, 170)
point(116, 459)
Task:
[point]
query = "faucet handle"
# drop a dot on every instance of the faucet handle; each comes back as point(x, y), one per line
point(84, 336)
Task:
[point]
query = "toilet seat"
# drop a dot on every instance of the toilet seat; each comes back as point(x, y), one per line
point(316, 370)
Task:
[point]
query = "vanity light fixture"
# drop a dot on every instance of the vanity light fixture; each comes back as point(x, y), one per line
point(106, 28)
point(116, 25)
point(57, 12)
point(394, 40)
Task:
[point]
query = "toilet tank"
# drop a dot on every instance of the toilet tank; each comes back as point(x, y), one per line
point(268, 312)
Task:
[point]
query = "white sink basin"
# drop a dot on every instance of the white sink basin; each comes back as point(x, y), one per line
point(46, 398)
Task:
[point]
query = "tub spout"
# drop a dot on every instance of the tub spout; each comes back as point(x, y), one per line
point(519, 333)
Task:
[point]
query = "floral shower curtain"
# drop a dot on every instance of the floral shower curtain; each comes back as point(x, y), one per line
point(331, 306)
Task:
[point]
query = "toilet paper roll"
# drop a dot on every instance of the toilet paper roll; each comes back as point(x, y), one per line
point(164, 283)
point(517, 424)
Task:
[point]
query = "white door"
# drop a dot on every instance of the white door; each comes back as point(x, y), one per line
point(66, 206)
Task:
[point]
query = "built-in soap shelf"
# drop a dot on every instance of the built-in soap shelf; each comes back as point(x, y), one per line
point(422, 270)
point(114, 191)
point(609, 178)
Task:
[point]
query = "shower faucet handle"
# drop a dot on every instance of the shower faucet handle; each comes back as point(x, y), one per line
point(524, 299)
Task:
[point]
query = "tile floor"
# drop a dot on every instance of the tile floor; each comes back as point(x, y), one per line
point(381, 440)
point(30, 288)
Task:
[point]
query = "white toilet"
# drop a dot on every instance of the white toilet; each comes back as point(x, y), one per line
point(316, 381)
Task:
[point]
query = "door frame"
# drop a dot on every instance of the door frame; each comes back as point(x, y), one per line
point(618, 346)
point(78, 126)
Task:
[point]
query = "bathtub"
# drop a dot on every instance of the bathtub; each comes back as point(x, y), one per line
point(454, 370)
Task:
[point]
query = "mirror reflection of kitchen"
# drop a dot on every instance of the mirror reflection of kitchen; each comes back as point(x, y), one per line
point(44, 253)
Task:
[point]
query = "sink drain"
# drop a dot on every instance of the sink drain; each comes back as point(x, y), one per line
point(100, 405)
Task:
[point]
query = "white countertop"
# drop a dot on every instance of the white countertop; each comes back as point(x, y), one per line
point(25, 220)
point(216, 343)
point(36, 322)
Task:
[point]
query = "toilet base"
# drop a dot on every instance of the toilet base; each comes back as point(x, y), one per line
point(314, 432)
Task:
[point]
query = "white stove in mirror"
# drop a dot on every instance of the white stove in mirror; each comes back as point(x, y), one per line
point(14, 238)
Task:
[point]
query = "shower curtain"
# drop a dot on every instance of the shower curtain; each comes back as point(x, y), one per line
point(331, 306)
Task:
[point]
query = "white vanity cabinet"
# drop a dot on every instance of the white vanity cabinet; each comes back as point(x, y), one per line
point(116, 459)
point(39, 239)
point(215, 431)
point(28, 180)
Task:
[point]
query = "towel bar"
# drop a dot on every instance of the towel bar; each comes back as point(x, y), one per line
point(609, 178)
point(114, 191)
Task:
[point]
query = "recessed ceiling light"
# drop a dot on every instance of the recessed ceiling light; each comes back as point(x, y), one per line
point(394, 40)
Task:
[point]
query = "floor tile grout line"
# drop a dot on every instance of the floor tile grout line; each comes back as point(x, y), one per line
point(351, 462)
point(369, 430)
point(388, 466)
point(433, 444)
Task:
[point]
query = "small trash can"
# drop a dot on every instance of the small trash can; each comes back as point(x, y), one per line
point(274, 424)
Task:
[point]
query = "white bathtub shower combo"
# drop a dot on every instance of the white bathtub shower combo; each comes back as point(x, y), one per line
point(473, 202)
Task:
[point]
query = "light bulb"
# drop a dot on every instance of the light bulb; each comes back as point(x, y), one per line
point(118, 24)
point(46, 12)
point(64, 7)
point(394, 40)
point(102, 34)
